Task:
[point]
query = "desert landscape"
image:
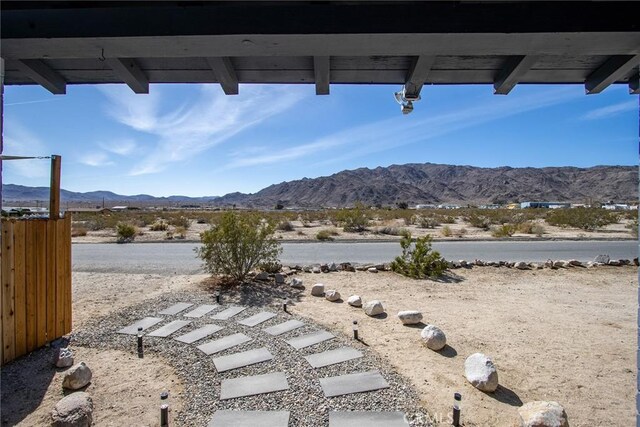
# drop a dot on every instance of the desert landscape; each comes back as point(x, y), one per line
point(566, 335)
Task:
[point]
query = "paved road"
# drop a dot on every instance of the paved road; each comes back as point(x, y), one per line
point(179, 258)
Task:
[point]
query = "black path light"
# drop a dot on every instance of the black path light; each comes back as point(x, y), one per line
point(140, 350)
point(457, 406)
point(355, 330)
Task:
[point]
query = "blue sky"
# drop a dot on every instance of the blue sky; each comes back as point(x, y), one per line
point(193, 140)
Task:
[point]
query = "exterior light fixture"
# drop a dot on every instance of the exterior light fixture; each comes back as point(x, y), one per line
point(355, 330)
point(406, 100)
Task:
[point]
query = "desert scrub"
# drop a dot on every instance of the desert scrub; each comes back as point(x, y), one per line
point(588, 219)
point(425, 221)
point(530, 227)
point(446, 231)
point(353, 220)
point(180, 221)
point(393, 231)
point(633, 227)
point(419, 261)
point(285, 226)
point(505, 230)
point(180, 233)
point(159, 226)
point(324, 235)
point(126, 232)
point(78, 231)
point(238, 243)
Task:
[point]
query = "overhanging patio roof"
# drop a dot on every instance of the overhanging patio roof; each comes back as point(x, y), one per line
point(416, 43)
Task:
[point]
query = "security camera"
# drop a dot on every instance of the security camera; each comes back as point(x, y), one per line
point(407, 107)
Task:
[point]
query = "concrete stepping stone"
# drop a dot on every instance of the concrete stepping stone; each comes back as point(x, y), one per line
point(252, 385)
point(249, 419)
point(228, 313)
point(256, 319)
point(245, 358)
point(310, 339)
point(218, 345)
point(145, 323)
point(281, 328)
point(353, 383)
point(332, 357)
point(198, 334)
point(175, 308)
point(169, 328)
point(201, 310)
point(367, 419)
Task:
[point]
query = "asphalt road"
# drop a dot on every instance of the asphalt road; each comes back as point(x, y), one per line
point(179, 258)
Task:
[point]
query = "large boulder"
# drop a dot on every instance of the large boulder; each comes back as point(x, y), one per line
point(433, 337)
point(280, 278)
point(602, 259)
point(63, 357)
point(77, 377)
point(373, 308)
point(317, 290)
point(521, 265)
point(74, 410)
point(372, 270)
point(297, 283)
point(332, 295)
point(542, 414)
point(481, 372)
point(355, 301)
point(410, 317)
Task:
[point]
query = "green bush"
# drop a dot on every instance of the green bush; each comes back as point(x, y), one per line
point(420, 261)
point(126, 232)
point(159, 226)
point(353, 220)
point(425, 221)
point(180, 221)
point(446, 231)
point(505, 230)
point(237, 244)
point(633, 227)
point(583, 218)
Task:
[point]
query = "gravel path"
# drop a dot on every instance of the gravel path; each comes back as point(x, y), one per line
point(305, 399)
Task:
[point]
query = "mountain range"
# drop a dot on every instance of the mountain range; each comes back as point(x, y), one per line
point(425, 183)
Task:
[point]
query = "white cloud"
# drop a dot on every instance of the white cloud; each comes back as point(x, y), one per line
point(18, 141)
point(96, 159)
point(612, 110)
point(121, 147)
point(189, 130)
point(398, 131)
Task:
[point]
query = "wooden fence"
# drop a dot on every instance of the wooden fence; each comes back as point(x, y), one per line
point(35, 300)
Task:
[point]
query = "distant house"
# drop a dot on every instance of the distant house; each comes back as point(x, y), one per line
point(545, 205)
point(617, 206)
point(425, 206)
point(88, 210)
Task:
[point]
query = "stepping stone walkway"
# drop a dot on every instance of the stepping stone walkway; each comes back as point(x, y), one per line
point(175, 308)
point(331, 357)
point(169, 328)
point(228, 313)
point(281, 328)
point(368, 419)
point(217, 346)
point(252, 385)
point(245, 358)
point(145, 323)
point(250, 419)
point(256, 319)
point(199, 333)
point(353, 383)
point(310, 339)
point(201, 310)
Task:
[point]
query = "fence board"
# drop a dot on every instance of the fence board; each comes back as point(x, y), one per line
point(51, 280)
point(41, 277)
point(59, 312)
point(8, 294)
point(20, 288)
point(31, 261)
point(68, 318)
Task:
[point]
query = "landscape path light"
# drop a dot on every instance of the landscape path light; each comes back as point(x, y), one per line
point(355, 330)
point(457, 405)
point(164, 410)
point(140, 350)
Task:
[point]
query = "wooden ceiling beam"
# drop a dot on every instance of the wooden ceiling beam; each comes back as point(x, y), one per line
point(225, 73)
point(130, 72)
point(515, 68)
point(322, 72)
point(418, 74)
point(613, 69)
point(42, 74)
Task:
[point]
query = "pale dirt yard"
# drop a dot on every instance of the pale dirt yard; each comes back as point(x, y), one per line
point(567, 335)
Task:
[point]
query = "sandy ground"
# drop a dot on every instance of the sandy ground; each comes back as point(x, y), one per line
point(565, 335)
point(459, 231)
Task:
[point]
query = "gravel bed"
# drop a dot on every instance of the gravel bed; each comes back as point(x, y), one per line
point(304, 398)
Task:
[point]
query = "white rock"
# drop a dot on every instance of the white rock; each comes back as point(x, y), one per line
point(433, 337)
point(521, 265)
point(614, 262)
point(296, 283)
point(316, 270)
point(74, 410)
point(355, 301)
point(317, 290)
point(63, 358)
point(560, 264)
point(373, 308)
point(481, 372)
point(77, 377)
point(332, 295)
point(575, 263)
point(372, 270)
point(542, 414)
point(410, 317)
